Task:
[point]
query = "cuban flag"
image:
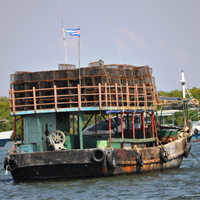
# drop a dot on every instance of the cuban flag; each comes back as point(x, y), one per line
point(74, 32)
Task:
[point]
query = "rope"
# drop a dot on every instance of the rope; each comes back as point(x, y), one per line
point(195, 157)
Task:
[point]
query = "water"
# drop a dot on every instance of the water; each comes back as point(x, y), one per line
point(182, 183)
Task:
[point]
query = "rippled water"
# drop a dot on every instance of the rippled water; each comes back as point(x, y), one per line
point(182, 183)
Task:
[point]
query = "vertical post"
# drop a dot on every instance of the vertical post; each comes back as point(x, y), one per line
point(183, 81)
point(143, 125)
point(79, 57)
point(15, 136)
point(117, 124)
point(106, 94)
point(80, 130)
point(127, 94)
point(55, 98)
point(152, 123)
point(34, 100)
point(22, 130)
point(73, 125)
point(79, 97)
point(133, 125)
point(40, 132)
point(122, 128)
point(13, 101)
point(145, 96)
point(110, 144)
point(117, 101)
point(188, 117)
point(100, 96)
point(95, 124)
point(154, 98)
point(128, 128)
point(137, 96)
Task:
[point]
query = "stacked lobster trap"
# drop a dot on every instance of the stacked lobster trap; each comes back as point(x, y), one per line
point(101, 85)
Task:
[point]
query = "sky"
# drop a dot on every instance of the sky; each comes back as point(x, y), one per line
point(164, 34)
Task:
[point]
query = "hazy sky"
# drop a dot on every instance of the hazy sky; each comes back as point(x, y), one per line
point(164, 34)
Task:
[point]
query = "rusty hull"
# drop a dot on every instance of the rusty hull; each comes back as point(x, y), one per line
point(68, 164)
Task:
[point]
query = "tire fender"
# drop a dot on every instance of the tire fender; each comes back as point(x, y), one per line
point(196, 132)
point(98, 155)
point(111, 159)
point(187, 150)
point(139, 159)
point(13, 165)
point(163, 156)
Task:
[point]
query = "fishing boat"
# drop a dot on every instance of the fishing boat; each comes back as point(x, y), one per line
point(195, 125)
point(55, 107)
point(4, 137)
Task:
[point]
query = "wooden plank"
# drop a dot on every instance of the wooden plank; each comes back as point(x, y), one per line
point(137, 100)
point(100, 106)
point(34, 100)
point(145, 96)
point(79, 97)
point(55, 98)
point(106, 95)
point(13, 101)
point(116, 90)
point(127, 94)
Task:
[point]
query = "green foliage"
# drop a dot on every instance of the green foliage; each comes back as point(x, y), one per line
point(178, 93)
point(5, 115)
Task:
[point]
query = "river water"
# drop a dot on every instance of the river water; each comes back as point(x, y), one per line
point(182, 183)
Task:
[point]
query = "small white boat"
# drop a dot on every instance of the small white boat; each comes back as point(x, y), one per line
point(4, 137)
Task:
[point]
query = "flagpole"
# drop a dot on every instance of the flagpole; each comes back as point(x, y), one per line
point(65, 45)
point(79, 58)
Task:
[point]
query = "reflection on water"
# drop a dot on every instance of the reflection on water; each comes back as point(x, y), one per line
point(182, 183)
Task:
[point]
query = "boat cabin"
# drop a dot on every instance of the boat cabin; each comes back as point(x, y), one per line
point(55, 108)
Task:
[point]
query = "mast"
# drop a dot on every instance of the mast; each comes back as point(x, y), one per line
point(183, 81)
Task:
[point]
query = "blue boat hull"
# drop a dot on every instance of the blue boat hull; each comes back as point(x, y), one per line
point(195, 138)
point(3, 142)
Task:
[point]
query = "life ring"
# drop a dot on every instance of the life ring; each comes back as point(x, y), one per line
point(12, 164)
point(163, 155)
point(111, 159)
point(195, 101)
point(187, 150)
point(98, 155)
point(139, 159)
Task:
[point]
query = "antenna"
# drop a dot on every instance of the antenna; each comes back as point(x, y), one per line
point(63, 31)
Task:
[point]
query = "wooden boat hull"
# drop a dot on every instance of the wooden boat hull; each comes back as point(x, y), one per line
point(79, 163)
